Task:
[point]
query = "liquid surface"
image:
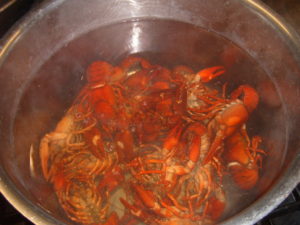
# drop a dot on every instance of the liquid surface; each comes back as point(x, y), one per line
point(168, 44)
point(154, 141)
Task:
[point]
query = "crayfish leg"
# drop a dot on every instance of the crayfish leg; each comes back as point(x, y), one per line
point(113, 219)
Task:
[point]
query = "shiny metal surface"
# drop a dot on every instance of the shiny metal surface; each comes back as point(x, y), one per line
point(288, 9)
point(58, 32)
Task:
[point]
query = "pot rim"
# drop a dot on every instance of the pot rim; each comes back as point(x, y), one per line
point(281, 188)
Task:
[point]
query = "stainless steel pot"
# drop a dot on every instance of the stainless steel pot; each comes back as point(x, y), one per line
point(43, 58)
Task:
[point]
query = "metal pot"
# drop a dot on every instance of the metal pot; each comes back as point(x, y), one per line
point(43, 58)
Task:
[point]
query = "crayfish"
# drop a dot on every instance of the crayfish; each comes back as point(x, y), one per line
point(144, 143)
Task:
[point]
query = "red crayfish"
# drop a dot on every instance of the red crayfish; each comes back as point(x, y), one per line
point(145, 143)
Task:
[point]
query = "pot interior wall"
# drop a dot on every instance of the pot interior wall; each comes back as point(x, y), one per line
point(56, 84)
point(42, 96)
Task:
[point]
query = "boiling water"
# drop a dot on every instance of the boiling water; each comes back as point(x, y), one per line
point(167, 43)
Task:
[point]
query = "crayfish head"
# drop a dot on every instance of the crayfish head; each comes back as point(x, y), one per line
point(133, 64)
point(245, 178)
point(99, 71)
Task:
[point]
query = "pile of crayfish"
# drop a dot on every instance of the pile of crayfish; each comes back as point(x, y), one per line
point(164, 137)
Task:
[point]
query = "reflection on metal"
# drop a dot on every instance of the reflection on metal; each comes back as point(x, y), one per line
point(136, 6)
point(136, 38)
point(31, 161)
point(7, 5)
point(8, 43)
point(270, 15)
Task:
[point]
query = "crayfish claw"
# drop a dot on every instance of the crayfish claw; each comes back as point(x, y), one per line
point(208, 74)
